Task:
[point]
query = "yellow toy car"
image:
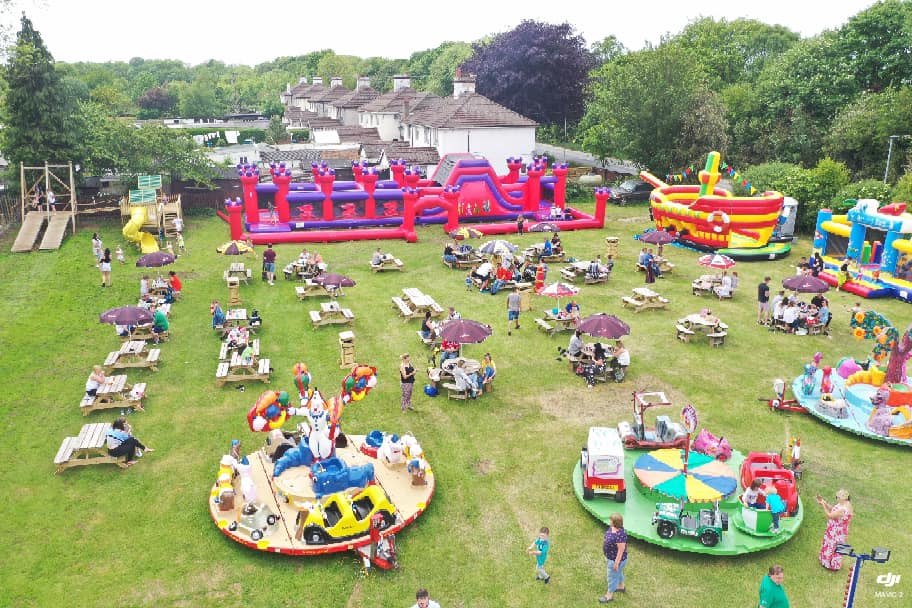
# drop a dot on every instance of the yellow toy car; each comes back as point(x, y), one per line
point(342, 516)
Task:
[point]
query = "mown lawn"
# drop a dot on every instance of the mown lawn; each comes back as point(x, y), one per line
point(99, 536)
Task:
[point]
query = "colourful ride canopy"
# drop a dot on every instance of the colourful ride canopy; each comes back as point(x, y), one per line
point(706, 480)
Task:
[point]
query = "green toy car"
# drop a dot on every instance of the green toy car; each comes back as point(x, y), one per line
point(707, 524)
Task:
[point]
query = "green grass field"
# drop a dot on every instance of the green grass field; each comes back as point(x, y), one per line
point(101, 536)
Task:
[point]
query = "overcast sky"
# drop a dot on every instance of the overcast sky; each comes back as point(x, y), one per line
point(251, 32)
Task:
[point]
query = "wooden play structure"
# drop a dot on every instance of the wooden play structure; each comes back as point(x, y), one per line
point(148, 214)
point(48, 206)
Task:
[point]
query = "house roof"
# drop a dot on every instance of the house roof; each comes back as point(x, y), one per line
point(356, 134)
point(300, 88)
point(468, 110)
point(330, 95)
point(276, 156)
point(308, 91)
point(401, 150)
point(395, 101)
point(296, 116)
point(357, 98)
point(323, 122)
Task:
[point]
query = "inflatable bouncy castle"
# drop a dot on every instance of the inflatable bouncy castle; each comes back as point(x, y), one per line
point(874, 244)
point(463, 189)
point(712, 219)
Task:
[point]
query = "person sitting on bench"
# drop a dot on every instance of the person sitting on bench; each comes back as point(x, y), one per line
point(121, 442)
point(556, 243)
point(574, 349)
point(96, 379)
point(218, 315)
point(465, 381)
point(255, 319)
point(547, 249)
point(621, 361)
point(377, 258)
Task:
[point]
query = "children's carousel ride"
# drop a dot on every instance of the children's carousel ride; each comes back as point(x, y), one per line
point(316, 490)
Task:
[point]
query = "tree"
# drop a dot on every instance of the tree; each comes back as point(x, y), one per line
point(34, 113)
point(537, 69)
point(607, 49)
point(639, 107)
point(442, 69)
point(198, 100)
point(877, 43)
point(275, 132)
point(860, 132)
point(156, 101)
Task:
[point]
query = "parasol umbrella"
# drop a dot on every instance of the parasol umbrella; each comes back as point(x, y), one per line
point(498, 247)
point(658, 237)
point(603, 325)
point(706, 480)
point(235, 248)
point(333, 281)
point(155, 260)
point(461, 234)
point(559, 290)
point(716, 260)
point(544, 227)
point(126, 315)
point(464, 331)
point(803, 284)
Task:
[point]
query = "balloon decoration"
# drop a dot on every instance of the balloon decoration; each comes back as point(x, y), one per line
point(874, 326)
point(358, 383)
point(269, 412)
point(301, 377)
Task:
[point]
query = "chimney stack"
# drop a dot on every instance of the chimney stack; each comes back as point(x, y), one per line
point(302, 80)
point(401, 81)
point(364, 82)
point(463, 85)
point(318, 80)
point(335, 81)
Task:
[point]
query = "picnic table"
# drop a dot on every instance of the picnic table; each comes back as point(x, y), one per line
point(132, 353)
point(310, 289)
point(644, 298)
point(445, 372)
point(665, 267)
point(705, 284)
point(465, 261)
point(238, 370)
point(236, 317)
point(562, 321)
point(240, 271)
point(89, 447)
point(421, 302)
point(303, 270)
point(159, 288)
point(226, 352)
point(114, 393)
point(537, 250)
point(696, 324)
point(331, 313)
point(387, 262)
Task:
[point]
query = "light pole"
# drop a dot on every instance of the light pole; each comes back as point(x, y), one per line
point(890, 153)
point(878, 555)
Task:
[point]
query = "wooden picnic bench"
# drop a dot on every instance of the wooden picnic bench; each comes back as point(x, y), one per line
point(454, 392)
point(569, 274)
point(331, 313)
point(311, 289)
point(643, 299)
point(90, 447)
point(465, 263)
point(717, 338)
point(242, 373)
point(601, 278)
point(404, 311)
point(684, 334)
point(114, 393)
point(132, 354)
point(225, 352)
point(545, 326)
point(387, 263)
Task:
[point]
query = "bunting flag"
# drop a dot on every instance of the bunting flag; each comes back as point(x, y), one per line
point(725, 169)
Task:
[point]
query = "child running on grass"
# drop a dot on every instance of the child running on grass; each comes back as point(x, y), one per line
point(539, 548)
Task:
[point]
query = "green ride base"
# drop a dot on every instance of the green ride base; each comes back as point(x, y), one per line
point(771, 251)
point(640, 505)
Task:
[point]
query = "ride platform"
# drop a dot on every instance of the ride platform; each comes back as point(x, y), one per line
point(640, 505)
point(409, 500)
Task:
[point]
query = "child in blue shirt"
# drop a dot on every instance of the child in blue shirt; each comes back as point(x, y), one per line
point(776, 507)
point(539, 548)
point(468, 282)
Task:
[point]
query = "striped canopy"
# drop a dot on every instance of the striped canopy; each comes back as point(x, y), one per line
point(706, 480)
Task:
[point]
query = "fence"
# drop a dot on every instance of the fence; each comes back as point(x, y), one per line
point(10, 209)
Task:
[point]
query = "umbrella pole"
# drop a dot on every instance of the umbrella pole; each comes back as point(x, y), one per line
point(686, 454)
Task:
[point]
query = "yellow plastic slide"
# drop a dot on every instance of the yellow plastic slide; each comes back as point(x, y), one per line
point(132, 232)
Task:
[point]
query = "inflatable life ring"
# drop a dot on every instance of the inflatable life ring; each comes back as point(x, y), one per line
point(719, 220)
point(269, 412)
